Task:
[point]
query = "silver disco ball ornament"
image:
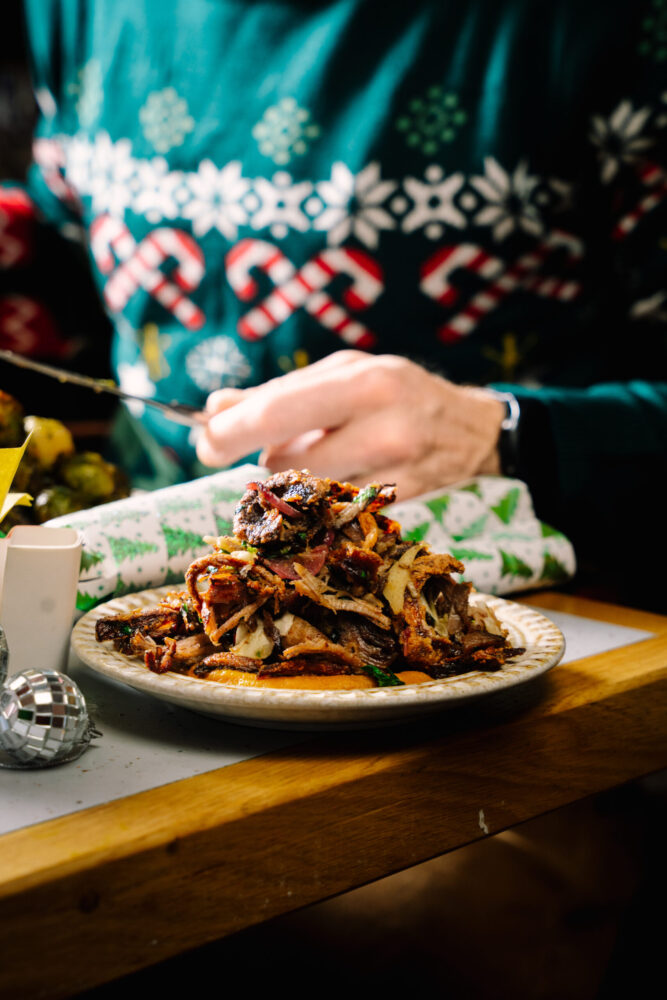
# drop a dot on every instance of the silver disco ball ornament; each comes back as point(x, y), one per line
point(4, 656)
point(43, 719)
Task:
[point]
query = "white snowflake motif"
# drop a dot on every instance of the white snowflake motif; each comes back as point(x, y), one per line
point(216, 199)
point(508, 200)
point(619, 138)
point(433, 202)
point(285, 131)
point(354, 205)
point(165, 119)
point(158, 192)
point(88, 93)
point(217, 363)
point(112, 167)
point(134, 378)
point(280, 204)
point(78, 163)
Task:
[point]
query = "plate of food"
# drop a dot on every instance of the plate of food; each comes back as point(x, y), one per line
point(317, 612)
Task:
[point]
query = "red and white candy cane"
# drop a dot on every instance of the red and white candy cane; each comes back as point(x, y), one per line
point(140, 264)
point(652, 177)
point(49, 156)
point(437, 271)
point(295, 290)
point(17, 214)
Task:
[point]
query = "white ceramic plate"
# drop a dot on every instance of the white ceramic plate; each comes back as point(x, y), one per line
point(292, 709)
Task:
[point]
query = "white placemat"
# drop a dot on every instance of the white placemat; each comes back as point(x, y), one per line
point(147, 743)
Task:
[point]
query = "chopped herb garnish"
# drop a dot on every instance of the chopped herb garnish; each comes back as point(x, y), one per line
point(248, 548)
point(383, 678)
point(301, 535)
point(366, 495)
point(126, 629)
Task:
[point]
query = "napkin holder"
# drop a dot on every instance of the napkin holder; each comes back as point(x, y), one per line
point(39, 572)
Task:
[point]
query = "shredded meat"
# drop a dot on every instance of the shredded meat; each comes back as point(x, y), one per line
point(311, 583)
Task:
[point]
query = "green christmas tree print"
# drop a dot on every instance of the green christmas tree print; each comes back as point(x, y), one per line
point(553, 569)
point(466, 555)
point(514, 566)
point(472, 488)
point(418, 533)
point(89, 559)
point(177, 506)
point(438, 506)
point(474, 528)
point(223, 526)
point(128, 548)
point(180, 541)
point(506, 508)
point(117, 517)
point(85, 602)
point(549, 532)
point(221, 494)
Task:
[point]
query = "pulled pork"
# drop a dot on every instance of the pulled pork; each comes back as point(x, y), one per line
point(315, 580)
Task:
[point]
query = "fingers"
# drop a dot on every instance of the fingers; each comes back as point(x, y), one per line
point(222, 399)
point(325, 395)
point(351, 452)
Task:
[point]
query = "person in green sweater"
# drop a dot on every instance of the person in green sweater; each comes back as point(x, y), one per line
point(342, 228)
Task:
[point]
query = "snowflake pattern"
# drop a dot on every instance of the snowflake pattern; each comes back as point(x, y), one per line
point(508, 196)
point(354, 205)
point(216, 201)
point(220, 199)
point(279, 206)
point(433, 202)
point(158, 192)
point(619, 138)
point(432, 120)
point(165, 119)
point(135, 379)
point(217, 363)
point(285, 131)
point(88, 93)
point(654, 32)
point(111, 169)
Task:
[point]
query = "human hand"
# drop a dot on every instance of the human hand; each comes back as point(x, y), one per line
point(359, 417)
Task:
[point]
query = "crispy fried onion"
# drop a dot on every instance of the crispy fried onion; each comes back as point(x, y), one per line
point(337, 600)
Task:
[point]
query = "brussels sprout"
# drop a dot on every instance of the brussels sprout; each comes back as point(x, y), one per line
point(50, 440)
point(11, 421)
point(90, 475)
point(29, 477)
point(56, 501)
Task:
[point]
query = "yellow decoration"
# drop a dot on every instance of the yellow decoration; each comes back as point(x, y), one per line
point(10, 459)
point(152, 342)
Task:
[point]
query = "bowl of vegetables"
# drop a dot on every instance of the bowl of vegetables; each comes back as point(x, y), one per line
point(60, 478)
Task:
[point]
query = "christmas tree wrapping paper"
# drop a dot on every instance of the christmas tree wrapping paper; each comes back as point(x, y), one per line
point(149, 540)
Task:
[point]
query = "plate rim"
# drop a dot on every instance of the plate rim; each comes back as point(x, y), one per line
point(294, 704)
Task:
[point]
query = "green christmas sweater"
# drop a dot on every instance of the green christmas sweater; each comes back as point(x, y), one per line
point(477, 184)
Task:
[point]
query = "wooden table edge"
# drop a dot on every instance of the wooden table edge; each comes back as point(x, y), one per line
point(174, 836)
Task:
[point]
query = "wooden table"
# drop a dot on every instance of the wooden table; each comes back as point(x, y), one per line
point(233, 847)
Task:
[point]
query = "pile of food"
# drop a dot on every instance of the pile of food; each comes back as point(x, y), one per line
point(60, 479)
point(316, 589)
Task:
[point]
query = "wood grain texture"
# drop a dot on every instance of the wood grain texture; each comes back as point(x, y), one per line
point(106, 891)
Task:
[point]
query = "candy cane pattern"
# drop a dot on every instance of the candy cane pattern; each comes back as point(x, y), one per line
point(524, 273)
point(303, 289)
point(49, 156)
point(27, 328)
point(111, 240)
point(652, 177)
point(16, 214)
